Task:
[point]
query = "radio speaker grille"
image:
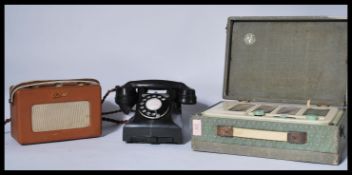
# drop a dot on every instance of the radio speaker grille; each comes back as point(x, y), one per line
point(58, 116)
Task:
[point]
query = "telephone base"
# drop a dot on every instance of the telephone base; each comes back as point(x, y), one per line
point(155, 134)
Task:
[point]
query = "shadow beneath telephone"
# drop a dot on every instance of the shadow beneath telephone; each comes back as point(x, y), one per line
point(187, 112)
point(109, 127)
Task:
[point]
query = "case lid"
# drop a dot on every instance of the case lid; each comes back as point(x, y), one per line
point(286, 60)
point(50, 83)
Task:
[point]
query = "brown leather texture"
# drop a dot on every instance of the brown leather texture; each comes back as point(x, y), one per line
point(225, 131)
point(24, 99)
point(297, 137)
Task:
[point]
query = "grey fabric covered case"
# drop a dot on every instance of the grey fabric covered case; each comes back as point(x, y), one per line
point(283, 60)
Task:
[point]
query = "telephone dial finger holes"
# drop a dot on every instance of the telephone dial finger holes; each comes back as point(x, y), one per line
point(153, 105)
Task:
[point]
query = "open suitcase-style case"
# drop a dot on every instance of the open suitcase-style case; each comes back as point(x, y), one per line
point(285, 91)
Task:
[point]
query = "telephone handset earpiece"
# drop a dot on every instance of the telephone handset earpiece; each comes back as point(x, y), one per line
point(126, 98)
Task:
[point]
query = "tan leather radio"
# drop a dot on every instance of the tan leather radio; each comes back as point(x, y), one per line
point(55, 110)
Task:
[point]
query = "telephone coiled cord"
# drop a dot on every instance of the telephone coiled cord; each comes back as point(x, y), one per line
point(111, 112)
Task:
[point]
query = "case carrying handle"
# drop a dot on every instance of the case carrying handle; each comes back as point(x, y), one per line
point(290, 136)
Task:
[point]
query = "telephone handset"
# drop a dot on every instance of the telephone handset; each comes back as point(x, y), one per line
point(157, 101)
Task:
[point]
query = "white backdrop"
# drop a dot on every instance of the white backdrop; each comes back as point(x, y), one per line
point(116, 44)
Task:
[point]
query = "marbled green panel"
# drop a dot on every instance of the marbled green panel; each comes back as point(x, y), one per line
point(320, 138)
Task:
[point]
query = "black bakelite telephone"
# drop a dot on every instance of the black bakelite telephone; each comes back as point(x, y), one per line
point(157, 102)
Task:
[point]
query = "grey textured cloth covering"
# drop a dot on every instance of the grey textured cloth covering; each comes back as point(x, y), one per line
point(287, 61)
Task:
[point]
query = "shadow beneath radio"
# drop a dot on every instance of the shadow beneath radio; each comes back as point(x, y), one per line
point(187, 112)
point(109, 127)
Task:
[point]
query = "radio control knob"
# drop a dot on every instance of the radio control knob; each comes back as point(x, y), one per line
point(153, 104)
